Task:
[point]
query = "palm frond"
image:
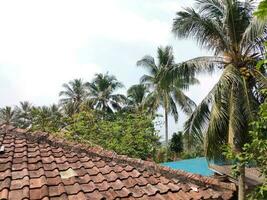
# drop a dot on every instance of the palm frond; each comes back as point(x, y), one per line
point(211, 8)
point(149, 63)
point(173, 108)
point(206, 31)
point(185, 103)
point(197, 65)
point(255, 30)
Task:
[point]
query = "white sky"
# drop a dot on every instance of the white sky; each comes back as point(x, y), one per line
point(45, 43)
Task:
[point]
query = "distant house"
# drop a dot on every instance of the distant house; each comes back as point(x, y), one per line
point(40, 166)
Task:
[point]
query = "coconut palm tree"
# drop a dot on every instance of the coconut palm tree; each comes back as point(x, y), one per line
point(101, 93)
point(46, 118)
point(164, 91)
point(74, 92)
point(69, 109)
point(229, 30)
point(24, 118)
point(7, 115)
point(136, 95)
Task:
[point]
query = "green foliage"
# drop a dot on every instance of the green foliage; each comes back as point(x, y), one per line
point(101, 93)
point(7, 115)
point(74, 92)
point(136, 95)
point(129, 134)
point(161, 155)
point(176, 143)
point(254, 152)
point(23, 115)
point(261, 12)
point(47, 119)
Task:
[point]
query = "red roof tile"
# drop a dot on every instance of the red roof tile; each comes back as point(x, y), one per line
point(33, 165)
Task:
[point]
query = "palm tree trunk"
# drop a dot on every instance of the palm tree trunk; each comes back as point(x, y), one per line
point(166, 131)
point(166, 127)
point(241, 183)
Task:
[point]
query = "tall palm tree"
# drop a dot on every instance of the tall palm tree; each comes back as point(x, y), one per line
point(46, 118)
point(136, 95)
point(7, 115)
point(101, 93)
point(164, 91)
point(229, 30)
point(24, 117)
point(74, 92)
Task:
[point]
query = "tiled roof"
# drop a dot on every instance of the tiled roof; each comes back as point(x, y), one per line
point(40, 166)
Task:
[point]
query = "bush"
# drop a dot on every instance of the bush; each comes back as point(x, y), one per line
point(125, 133)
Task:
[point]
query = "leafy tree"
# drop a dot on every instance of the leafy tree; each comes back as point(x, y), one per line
point(176, 144)
point(136, 95)
point(7, 115)
point(165, 92)
point(74, 93)
point(128, 134)
point(101, 93)
point(229, 30)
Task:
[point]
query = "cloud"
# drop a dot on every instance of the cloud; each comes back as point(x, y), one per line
point(41, 41)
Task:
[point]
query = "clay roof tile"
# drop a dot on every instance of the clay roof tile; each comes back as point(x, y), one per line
point(33, 163)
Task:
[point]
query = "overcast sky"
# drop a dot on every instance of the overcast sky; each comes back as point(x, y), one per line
point(45, 43)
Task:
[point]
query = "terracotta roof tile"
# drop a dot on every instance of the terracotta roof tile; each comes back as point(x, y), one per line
point(5, 166)
point(31, 167)
point(5, 174)
point(39, 193)
point(64, 196)
point(53, 181)
point(22, 193)
point(4, 193)
point(38, 182)
point(80, 196)
point(73, 189)
point(69, 181)
point(34, 166)
point(5, 184)
point(95, 195)
point(19, 183)
point(111, 177)
point(37, 173)
point(52, 174)
point(57, 190)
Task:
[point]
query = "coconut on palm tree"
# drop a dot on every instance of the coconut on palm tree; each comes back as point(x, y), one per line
point(102, 94)
point(229, 30)
point(164, 91)
point(74, 92)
